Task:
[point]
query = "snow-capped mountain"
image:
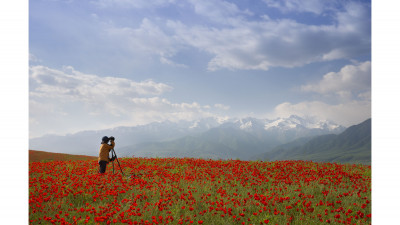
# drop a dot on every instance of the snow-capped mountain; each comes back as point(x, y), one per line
point(291, 123)
point(296, 122)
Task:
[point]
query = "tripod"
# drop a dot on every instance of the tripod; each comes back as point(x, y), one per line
point(113, 157)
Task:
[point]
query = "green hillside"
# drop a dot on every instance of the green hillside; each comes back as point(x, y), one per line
point(351, 146)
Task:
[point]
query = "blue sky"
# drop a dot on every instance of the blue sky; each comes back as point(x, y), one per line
point(100, 64)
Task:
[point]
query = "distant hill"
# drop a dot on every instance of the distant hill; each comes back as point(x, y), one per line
point(38, 156)
point(88, 142)
point(217, 143)
point(351, 146)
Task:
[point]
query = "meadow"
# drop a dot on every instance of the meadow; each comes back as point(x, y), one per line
point(199, 191)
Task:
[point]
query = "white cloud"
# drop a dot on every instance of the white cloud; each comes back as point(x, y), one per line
point(73, 85)
point(351, 80)
point(33, 58)
point(160, 109)
point(353, 31)
point(222, 106)
point(146, 41)
point(167, 61)
point(347, 114)
point(233, 48)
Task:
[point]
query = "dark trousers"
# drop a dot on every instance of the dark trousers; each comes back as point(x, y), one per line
point(103, 165)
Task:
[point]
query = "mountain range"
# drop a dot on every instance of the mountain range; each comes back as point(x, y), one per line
point(252, 139)
point(206, 138)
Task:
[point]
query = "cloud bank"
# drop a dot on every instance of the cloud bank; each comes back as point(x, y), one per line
point(351, 86)
point(70, 84)
point(79, 101)
point(235, 41)
point(346, 114)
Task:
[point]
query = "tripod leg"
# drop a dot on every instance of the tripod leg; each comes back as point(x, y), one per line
point(119, 165)
point(112, 155)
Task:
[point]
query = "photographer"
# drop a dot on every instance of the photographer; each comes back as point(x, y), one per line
point(105, 148)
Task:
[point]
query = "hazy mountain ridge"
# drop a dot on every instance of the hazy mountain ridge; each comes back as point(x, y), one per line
point(216, 143)
point(88, 142)
point(234, 138)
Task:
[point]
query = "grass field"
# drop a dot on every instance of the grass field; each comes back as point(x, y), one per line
point(198, 191)
point(37, 156)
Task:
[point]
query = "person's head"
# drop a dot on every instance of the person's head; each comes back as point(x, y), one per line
point(105, 140)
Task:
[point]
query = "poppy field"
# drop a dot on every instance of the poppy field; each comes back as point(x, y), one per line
point(199, 191)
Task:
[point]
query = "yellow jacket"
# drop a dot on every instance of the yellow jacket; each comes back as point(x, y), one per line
point(104, 151)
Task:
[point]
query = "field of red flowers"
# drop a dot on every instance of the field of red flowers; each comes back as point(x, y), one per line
point(198, 191)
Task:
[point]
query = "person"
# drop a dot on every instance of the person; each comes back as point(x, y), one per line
point(105, 149)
